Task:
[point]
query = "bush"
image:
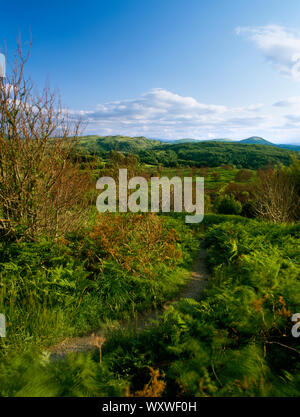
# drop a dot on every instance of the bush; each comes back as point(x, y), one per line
point(277, 194)
point(227, 205)
point(249, 209)
point(42, 189)
point(243, 175)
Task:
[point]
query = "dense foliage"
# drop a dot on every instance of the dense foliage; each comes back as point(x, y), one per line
point(227, 205)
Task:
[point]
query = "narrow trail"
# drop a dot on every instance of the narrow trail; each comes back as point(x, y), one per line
point(193, 289)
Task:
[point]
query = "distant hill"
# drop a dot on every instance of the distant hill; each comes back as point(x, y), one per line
point(253, 140)
point(222, 140)
point(256, 140)
point(185, 140)
point(190, 140)
point(133, 144)
point(289, 147)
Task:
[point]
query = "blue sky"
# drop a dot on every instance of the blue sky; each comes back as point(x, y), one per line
point(168, 68)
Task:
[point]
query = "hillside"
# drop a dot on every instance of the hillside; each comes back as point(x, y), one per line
point(103, 144)
point(197, 153)
point(212, 153)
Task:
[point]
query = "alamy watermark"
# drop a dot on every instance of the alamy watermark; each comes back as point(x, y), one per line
point(162, 191)
point(2, 326)
point(2, 66)
point(296, 327)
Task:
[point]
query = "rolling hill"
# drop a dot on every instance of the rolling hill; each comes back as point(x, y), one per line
point(249, 153)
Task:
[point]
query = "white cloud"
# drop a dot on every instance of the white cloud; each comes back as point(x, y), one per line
point(289, 102)
point(163, 114)
point(279, 45)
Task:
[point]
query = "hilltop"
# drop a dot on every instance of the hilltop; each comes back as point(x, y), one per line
point(256, 140)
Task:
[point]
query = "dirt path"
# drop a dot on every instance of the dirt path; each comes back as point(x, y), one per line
point(193, 289)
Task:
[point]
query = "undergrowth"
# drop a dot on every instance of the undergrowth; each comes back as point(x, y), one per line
point(235, 342)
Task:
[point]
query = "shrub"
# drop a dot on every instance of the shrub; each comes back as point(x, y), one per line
point(249, 209)
point(42, 190)
point(277, 195)
point(243, 175)
point(241, 192)
point(227, 205)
